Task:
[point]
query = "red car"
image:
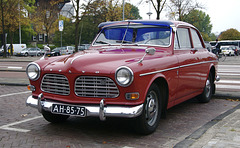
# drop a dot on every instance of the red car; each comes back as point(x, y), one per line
point(133, 69)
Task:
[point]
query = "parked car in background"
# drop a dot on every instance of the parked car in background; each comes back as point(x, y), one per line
point(65, 50)
point(133, 69)
point(34, 51)
point(236, 50)
point(16, 48)
point(55, 52)
point(227, 50)
point(83, 47)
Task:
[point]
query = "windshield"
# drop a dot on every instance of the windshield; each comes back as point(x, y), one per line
point(134, 34)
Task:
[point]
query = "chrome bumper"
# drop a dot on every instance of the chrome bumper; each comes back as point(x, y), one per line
point(218, 78)
point(102, 111)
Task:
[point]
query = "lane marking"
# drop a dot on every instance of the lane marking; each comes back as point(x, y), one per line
point(229, 87)
point(7, 126)
point(228, 82)
point(228, 74)
point(229, 66)
point(12, 94)
point(11, 67)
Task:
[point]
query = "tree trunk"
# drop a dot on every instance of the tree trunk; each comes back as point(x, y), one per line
point(3, 32)
point(77, 22)
point(11, 43)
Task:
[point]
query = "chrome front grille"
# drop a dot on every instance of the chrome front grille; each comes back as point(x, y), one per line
point(97, 87)
point(55, 84)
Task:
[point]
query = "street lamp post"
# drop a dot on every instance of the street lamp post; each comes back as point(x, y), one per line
point(123, 9)
point(20, 32)
point(149, 13)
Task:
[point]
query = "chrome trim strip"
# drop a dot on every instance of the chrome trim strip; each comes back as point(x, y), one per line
point(182, 66)
point(159, 71)
point(92, 110)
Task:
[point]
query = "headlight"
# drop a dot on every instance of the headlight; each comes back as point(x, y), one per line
point(33, 71)
point(124, 76)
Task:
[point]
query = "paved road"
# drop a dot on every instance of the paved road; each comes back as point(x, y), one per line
point(230, 78)
point(23, 126)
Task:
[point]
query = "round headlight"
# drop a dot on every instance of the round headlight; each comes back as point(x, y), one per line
point(124, 76)
point(33, 71)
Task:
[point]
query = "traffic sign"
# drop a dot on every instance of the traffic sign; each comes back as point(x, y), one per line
point(60, 25)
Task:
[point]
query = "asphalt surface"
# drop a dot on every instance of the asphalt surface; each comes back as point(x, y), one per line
point(222, 131)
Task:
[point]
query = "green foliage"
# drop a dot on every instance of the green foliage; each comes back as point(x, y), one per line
point(230, 34)
point(13, 16)
point(67, 34)
point(95, 12)
point(200, 20)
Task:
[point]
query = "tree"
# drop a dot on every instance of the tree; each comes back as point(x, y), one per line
point(67, 33)
point(158, 6)
point(200, 20)
point(133, 13)
point(100, 11)
point(178, 8)
point(76, 6)
point(230, 34)
point(11, 9)
point(46, 15)
point(3, 29)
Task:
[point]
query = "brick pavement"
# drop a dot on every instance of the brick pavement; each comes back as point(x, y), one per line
point(218, 132)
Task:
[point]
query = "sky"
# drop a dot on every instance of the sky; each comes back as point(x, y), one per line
point(224, 14)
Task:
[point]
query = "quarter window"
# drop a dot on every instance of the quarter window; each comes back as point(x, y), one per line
point(196, 40)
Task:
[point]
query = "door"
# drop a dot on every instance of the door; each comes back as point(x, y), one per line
point(189, 60)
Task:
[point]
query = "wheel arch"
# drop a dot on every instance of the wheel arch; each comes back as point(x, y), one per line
point(164, 89)
point(213, 72)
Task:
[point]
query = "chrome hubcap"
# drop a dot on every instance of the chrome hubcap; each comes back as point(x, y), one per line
point(151, 108)
point(208, 87)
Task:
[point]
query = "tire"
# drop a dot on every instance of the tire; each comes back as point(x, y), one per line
point(26, 54)
point(54, 118)
point(148, 121)
point(206, 96)
point(39, 54)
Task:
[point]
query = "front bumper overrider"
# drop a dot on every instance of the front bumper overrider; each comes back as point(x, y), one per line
point(102, 111)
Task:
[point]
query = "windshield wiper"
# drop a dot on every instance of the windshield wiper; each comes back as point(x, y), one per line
point(103, 42)
point(130, 42)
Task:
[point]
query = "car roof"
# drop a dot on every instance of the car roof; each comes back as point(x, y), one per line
point(145, 22)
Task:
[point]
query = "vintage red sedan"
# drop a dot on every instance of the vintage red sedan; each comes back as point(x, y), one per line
point(133, 69)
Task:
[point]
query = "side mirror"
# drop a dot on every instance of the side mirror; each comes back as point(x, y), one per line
point(150, 51)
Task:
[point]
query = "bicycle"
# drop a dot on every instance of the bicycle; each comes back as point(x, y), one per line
point(221, 57)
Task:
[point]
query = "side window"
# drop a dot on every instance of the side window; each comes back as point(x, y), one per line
point(183, 37)
point(176, 43)
point(196, 40)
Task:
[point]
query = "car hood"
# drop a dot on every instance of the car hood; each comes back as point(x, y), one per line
point(96, 61)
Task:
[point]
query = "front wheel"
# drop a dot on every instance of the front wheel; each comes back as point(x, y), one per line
point(54, 118)
point(206, 96)
point(148, 121)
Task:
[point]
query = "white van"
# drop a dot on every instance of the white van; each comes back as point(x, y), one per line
point(16, 47)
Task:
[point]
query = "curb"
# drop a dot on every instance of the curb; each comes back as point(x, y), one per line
point(13, 70)
point(13, 84)
point(188, 141)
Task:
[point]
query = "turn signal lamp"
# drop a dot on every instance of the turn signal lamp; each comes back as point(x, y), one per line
point(31, 87)
point(132, 96)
